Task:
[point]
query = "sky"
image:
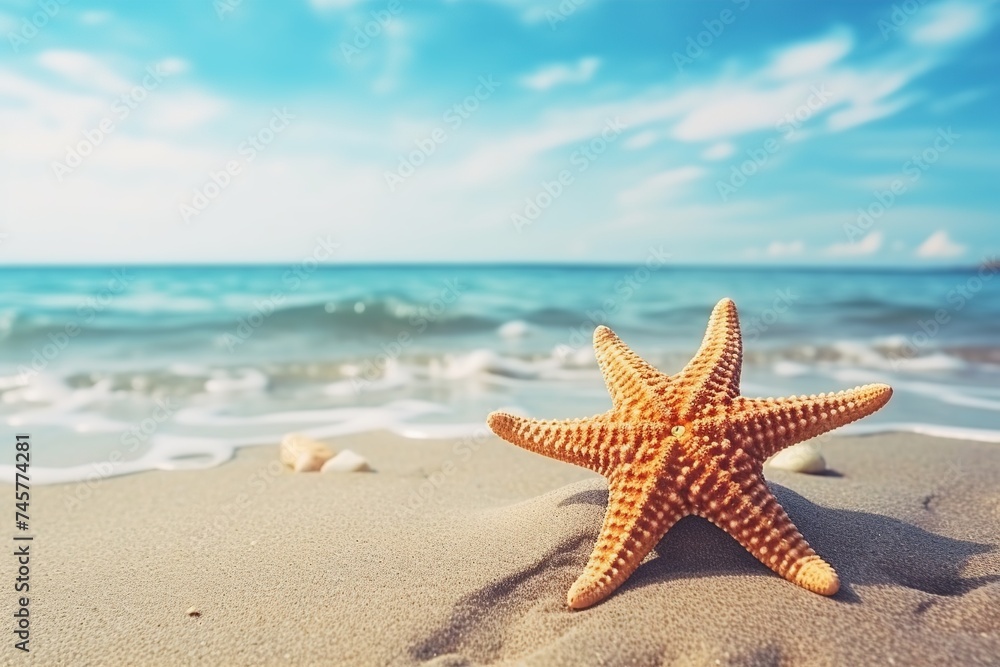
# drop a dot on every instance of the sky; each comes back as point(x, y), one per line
point(736, 132)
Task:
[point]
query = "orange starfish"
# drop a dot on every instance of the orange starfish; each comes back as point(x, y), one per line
point(675, 445)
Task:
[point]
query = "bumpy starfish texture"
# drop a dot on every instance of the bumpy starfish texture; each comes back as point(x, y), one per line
point(676, 445)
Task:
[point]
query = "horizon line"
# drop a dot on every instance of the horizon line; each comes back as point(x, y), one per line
point(506, 265)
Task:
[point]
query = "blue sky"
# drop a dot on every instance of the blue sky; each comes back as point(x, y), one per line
point(743, 132)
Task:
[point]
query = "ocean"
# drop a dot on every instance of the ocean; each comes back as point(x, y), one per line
point(115, 370)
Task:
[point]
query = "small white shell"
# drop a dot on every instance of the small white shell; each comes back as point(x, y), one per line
point(303, 454)
point(347, 461)
point(802, 457)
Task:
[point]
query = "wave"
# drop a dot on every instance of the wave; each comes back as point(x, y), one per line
point(382, 317)
point(353, 350)
point(169, 328)
point(170, 452)
point(931, 430)
point(344, 372)
point(173, 452)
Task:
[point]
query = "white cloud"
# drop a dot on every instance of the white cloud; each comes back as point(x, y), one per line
point(731, 105)
point(809, 57)
point(531, 12)
point(82, 69)
point(958, 100)
point(949, 22)
point(324, 5)
point(493, 159)
point(553, 75)
point(799, 80)
point(95, 17)
point(183, 111)
point(869, 245)
point(659, 186)
point(642, 139)
point(396, 56)
point(719, 151)
point(939, 246)
point(859, 93)
point(872, 94)
point(859, 114)
point(34, 116)
point(532, 15)
point(173, 65)
point(779, 249)
point(138, 175)
point(759, 108)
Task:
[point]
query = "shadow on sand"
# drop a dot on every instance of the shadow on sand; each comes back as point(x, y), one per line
point(864, 548)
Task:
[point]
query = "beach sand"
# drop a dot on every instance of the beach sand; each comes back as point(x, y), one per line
point(316, 569)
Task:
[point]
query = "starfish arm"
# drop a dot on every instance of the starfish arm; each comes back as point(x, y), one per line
point(753, 516)
point(636, 388)
point(689, 444)
point(639, 514)
point(767, 425)
point(595, 443)
point(713, 375)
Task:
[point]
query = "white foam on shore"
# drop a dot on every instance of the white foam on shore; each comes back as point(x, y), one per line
point(482, 378)
point(932, 430)
point(478, 362)
point(166, 453)
point(173, 452)
point(349, 418)
point(394, 376)
point(951, 394)
point(63, 407)
point(514, 329)
point(250, 379)
point(898, 359)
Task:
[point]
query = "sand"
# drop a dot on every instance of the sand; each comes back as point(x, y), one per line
point(317, 569)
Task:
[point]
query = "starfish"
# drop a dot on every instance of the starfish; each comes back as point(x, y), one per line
point(689, 444)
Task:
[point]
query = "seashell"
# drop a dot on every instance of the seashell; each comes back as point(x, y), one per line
point(802, 457)
point(302, 453)
point(347, 461)
point(193, 611)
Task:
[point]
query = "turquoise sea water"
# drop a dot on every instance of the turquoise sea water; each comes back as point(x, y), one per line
point(122, 369)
